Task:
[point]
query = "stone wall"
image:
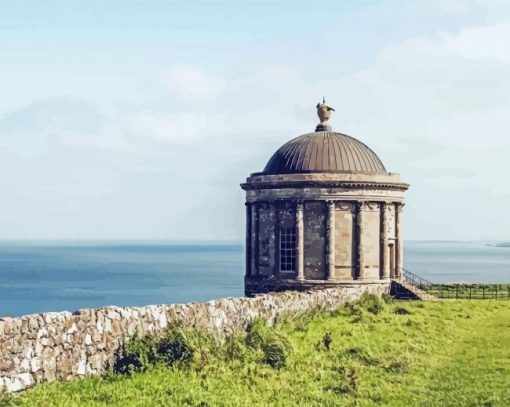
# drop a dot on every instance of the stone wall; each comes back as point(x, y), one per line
point(61, 345)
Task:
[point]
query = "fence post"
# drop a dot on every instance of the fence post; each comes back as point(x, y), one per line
point(456, 291)
point(469, 292)
point(496, 291)
point(483, 292)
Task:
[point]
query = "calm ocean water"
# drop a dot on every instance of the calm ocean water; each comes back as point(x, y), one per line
point(36, 277)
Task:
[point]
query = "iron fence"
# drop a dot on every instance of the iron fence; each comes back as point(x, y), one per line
point(457, 291)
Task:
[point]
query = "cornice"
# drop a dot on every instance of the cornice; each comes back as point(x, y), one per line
point(249, 186)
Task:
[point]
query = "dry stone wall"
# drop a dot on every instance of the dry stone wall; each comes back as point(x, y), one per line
point(61, 345)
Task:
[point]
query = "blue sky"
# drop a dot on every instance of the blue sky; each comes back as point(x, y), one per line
point(139, 119)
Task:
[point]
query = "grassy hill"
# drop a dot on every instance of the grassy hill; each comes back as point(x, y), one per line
point(448, 353)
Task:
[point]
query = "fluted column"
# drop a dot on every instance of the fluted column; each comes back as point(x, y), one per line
point(385, 267)
point(248, 239)
point(399, 240)
point(359, 240)
point(331, 240)
point(254, 227)
point(300, 246)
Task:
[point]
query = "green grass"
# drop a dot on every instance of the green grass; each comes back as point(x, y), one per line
point(451, 353)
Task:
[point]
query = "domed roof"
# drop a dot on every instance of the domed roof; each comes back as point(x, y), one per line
point(324, 151)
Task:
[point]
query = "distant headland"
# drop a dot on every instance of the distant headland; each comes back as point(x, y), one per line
point(500, 244)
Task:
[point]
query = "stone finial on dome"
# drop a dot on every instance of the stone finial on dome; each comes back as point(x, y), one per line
point(324, 113)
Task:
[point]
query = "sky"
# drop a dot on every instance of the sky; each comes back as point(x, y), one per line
point(139, 120)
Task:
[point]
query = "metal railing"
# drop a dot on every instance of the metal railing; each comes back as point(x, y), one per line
point(415, 280)
point(471, 291)
point(456, 291)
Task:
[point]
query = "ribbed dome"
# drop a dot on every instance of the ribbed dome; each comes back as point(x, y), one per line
point(324, 151)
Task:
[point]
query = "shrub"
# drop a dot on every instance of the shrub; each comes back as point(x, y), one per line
point(371, 303)
point(273, 344)
point(358, 310)
point(137, 355)
point(352, 310)
point(175, 347)
point(235, 348)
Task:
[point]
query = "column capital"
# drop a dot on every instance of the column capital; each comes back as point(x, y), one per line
point(345, 205)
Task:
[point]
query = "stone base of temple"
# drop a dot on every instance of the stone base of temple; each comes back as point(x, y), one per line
point(254, 285)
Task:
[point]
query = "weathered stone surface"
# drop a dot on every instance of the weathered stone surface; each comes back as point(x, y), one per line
point(64, 345)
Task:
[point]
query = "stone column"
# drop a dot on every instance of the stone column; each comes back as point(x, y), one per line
point(254, 227)
point(248, 239)
point(277, 239)
point(359, 240)
point(385, 267)
point(331, 240)
point(300, 246)
point(399, 240)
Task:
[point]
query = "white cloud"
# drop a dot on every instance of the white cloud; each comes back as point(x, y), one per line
point(181, 128)
point(484, 42)
point(193, 84)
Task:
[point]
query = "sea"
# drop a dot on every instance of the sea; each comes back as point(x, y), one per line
point(56, 276)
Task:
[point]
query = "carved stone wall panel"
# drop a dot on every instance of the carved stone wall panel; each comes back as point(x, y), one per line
point(315, 240)
point(267, 239)
point(371, 243)
point(286, 215)
point(344, 244)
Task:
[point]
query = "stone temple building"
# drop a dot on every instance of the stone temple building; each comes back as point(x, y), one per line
point(323, 212)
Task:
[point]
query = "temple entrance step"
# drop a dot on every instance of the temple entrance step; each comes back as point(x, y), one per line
point(405, 291)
